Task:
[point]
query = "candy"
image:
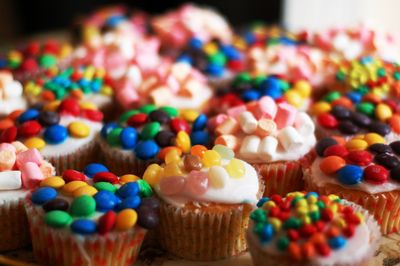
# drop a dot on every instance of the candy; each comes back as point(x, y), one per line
point(172, 185)
point(380, 148)
point(70, 187)
point(55, 134)
point(331, 164)
point(164, 138)
point(106, 222)
point(356, 145)
point(54, 182)
point(197, 183)
point(383, 112)
point(57, 219)
point(327, 120)
point(145, 150)
point(198, 150)
point(35, 142)
point(29, 129)
point(159, 116)
point(178, 124)
point(153, 174)
point(217, 177)
point(83, 226)
point(289, 138)
point(105, 200)
point(84, 190)
point(337, 242)
point(337, 150)
point(8, 134)
point(224, 152)
point(395, 145)
point(56, 204)
point(389, 161)
point(285, 115)
point(30, 114)
point(126, 219)
point(131, 202)
point(91, 169)
point(199, 137)
point(31, 174)
point(200, 122)
point(191, 162)
point(211, 158)
point(320, 108)
point(267, 147)
point(247, 122)
point(376, 174)
point(360, 119)
point(150, 130)
point(235, 168)
point(172, 169)
point(350, 174)
point(73, 175)
point(373, 138)
point(10, 180)
point(361, 158)
point(43, 194)
point(380, 128)
point(128, 190)
point(137, 120)
point(83, 206)
point(105, 177)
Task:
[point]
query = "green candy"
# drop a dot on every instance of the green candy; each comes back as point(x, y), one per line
point(13, 64)
point(105, 186)
point(271, 42)
point(340, 76)
point(83, 206)
point(171, 111)
point(60, 94)
point(125, 116)
point(362, 90)
point(366, 108)
point(47, 60)
point(282, 243)
point(330, 97)
point(259, 215)
point(150, 130)
point(257, 81)
point(381, 72)
point(285, 86)
point(57, 219)
point(315, 216)
point(292, 222)
point(218, 59)
point(67, 72)
point(144, 188)
point(113, 136)
point(258, 227)
point(396, 75)
point(243, 77)
point(321, 204)
point(86, 89)
point(147, 108)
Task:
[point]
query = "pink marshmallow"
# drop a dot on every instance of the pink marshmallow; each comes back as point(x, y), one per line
point(31, 175)
point(216, 120)
point(285, 116)
point(7, 147)
point(29, 156)
point(268, 107)
point(236, 111)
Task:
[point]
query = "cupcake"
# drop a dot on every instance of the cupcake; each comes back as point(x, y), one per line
point(64, 132)
point(142, 136)
point(363, 169)
point(175, 28)
point(90, 218)
point(246, 88)
point(352, 113)
point(206, 198)
point(11, 94)
point(21, 169)
point(311, 229)
point(276, 139)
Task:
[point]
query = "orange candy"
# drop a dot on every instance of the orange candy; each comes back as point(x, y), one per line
point(343, 101)
point(340, 140)
point(15, 114)
point(331, 164)
point(394, 122)
point(198, 150)
point(48, 95)
point(295, 251)
point(308, 250)
point(318, 238)
point(372, 98)
point(164, 151)
point(78, 94)
point(333, 232)
point(6, 123)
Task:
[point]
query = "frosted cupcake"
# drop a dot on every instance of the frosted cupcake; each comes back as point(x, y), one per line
point(64, 132)
point(21, 169)
point(364, 170)
point(207, 196)
point(276, 139)
point(11, 94)
point(142, 136)
point(311, 229)
point(90, 218)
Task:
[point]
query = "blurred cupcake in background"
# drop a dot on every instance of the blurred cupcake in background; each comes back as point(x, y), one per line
point(11, 94)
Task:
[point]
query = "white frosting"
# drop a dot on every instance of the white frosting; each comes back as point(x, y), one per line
point(235, 190)
point(11, 92)
point(99, 100)
point(10, 105)
point(71, 144)
point(12, 195)
point(320, 179)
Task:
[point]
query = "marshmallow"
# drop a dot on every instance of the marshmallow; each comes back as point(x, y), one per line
point(268, 148)
point(266, 127)
point(191, 87)
point(13, 89)
point(229, 141)
point(248, 122)
point(127, 97)
point(229, 126)
point(236, 111)
point(285, 116)
point(19, 146)
point(249, 147)
point(10, 180)
point(7, 160)
point(289, 138)
point(31, 175)
point(216, 120)
point(268, 107)
point(7, 147)
point(181, 70)
point(173, 84)
point(134, 75)
point(47, 169)
point(161, 96)
point(31, 155)
point(304, 124)
point(5, 78)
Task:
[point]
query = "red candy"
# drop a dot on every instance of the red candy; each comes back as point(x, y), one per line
point(327, 120)
point(323, 249)
point(70, 106)
point(376, 174)
point(73, 175)
point(307, 230)
point(293, 234)
point(29, 129)
point(274, 212)
point(105, 177)
point(106, 222)
point(9, 134)
point(361, 158)
point(230, 99)
point(319, 225)
point(178, 124)
point(276, 198)
point(29, 64)
point(137, 120)
point(93, 115)
point(336, 150)
point(326, 215)
point(349, 230)
point(236, 65)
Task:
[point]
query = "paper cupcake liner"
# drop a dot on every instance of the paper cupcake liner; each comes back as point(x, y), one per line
point(204, 233)
point(61, 247)
point(385, 206)
point(14, 229)
point(120, 162)
point(283, 177)
point(261, 258)
point(76, 160)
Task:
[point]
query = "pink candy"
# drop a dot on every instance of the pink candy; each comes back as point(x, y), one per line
point(285, 116)
point(197, 183)
point(31, 175)
point(172, 185)
point(237, 110)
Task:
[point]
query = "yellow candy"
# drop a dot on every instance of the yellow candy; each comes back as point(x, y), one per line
point(88, 105)
point(35, 142)
point(333, 197)
point(65, 50)
point(340, 222)
point(301, 203)
point(235, 168)
point(189, 115)
point(383, 112)
point(313, 208)
point(128, 178)
point(360, 216)
point(356, 145)
point(320, 108)
point(268, 205)
point(303, 87)
point(172, 169)
point(372, 138)
point(302, 210)
point(79, 129)
point(70, 187)
point(84, 190)
point(295, 194)
point(183, 141)
point(294, 98)
point(276, 223)
point(54, 182)
point(172, 156)
point(312, 199)
point(89, 72)
point(153, 174)
point(126, 219)
point(100, 72)
point(106, 90)
point(211, 158)
point(210, 48)
point(217, 177)
point(52, 106)
point(359, 136)
point(306, 219)
point(333, 208)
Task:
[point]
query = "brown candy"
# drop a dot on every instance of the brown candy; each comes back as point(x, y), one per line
point(192, 162)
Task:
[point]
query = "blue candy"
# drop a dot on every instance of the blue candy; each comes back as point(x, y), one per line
point(129, 203)
point(185, 58)
point(250, 38)
point(29, 114)
point(231, 52)
point(43, 194)
point(128, 190)
point(267, 233)
point(55, 134)
point(250, 95)
point(214, 70)
point(274, 94)
point(95, 85)
point(83, 226)
point(94, 168)
point(315, 194)
point(146, 149)
point(128, 138)
point(354, 96)
point(106, 200)
point(196, 43)
point(350, 174)
point(107, 128)
point(271, 83)
point(337, 242)
point(84, 82)
point(200, 122)
point(115, 20)
point(261, 202)
point(200, 138)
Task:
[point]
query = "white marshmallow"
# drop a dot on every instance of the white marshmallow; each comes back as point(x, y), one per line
point(249, 147)
point(248, 122)
point(161, 96)
point(135, 75)
point(13, 89)
point(10, 180)
point(304, 124)
point(289, 138)
point(267, 148)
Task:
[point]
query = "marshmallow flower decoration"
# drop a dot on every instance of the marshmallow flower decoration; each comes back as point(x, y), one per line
point(11, 92)
point(264, 132)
